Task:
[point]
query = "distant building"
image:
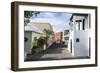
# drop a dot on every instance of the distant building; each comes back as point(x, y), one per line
point(79, 39)
point(65, 36)
point(58, 37)
point(62, 36)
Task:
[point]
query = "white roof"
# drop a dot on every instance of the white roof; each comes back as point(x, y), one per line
point(41, 25)
point(32, 29)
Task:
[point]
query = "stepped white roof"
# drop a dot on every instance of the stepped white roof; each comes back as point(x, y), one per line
point(41, 25)
point(32, 29)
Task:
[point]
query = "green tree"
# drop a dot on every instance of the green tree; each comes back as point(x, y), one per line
point(48, 32)
point(28, 15)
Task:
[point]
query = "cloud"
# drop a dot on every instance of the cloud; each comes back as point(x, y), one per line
point(58, 20)
point(49, 14)
point(45, 15)
point(68, 15)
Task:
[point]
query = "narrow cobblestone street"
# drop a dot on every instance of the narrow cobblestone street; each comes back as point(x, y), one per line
point(54, 52)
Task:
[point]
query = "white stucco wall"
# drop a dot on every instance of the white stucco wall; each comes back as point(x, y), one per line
point(87, 22)
point(28, 43)
point(81, 48)
point(69, 42)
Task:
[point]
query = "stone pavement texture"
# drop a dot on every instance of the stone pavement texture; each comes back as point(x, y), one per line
point(54, 52)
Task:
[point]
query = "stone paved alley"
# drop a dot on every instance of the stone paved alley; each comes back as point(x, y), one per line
point(54, 52)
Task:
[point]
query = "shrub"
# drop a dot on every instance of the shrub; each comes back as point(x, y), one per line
point(40, 42)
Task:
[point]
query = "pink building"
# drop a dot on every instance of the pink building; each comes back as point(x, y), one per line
point(58, 37)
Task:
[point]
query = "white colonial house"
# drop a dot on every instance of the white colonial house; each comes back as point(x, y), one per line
point(34, 31)
point(79, 38)
point(29, 32)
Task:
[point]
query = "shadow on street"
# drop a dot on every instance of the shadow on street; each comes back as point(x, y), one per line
point(55, 52)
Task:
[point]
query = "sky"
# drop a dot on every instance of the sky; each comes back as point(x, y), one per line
point(58, 20)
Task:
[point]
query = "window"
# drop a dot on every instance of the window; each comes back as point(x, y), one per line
point(66, 32)
point(25, 39)
point(77, 40)
point(66, 38)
